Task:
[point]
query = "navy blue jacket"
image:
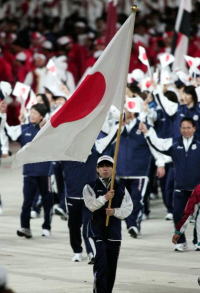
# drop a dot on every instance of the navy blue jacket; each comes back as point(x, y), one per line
point(78, 174)
point(164, 124)
point(29, 131)
point(186, 164)
point(183, 111)
point(134, 156)
point(97, 227)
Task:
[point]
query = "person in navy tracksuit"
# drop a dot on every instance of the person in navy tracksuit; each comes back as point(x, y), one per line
point(176, 112)
point(76, 175)
point(35, 175)
point(107, 239)
point(185, 153)
point(133, 165)
point(164, 129)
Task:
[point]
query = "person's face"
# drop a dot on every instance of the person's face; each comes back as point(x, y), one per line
point(35, 116)
point(3, 106)
point(39, 62)
point(39, 99)
point(187, 99)
point(129, 116)
point(187, 129)
point(60, 101)
point(105, 171)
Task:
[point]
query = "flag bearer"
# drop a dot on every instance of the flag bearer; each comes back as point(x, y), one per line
point(107, 240)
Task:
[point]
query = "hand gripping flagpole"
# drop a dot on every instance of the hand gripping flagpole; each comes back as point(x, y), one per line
point(134, 9)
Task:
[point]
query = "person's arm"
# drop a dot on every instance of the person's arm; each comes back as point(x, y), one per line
point(159, 144)
point(93, 203)
point(126, 207)
point(4, 143)
point(14, 132)
point(3, 137)
point(102, 143)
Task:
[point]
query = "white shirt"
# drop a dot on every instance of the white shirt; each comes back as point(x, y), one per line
point(187, 142)
point(131, 125)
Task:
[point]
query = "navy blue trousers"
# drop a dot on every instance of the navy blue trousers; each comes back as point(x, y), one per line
point(167, 187)
point(32, 184)
point(180, 199)
point(105, 265)
point(135, 188)
point(78, 220)
point(58, 172)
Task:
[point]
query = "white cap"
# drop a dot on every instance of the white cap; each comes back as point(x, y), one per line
point(105, 158)
point(3, 277)
point(47, 45)
point(61, 58)
point(80, 24)
point(21, 56)
point(38, 55)
point(64, 40)
point(97, 54)
point(137, 74)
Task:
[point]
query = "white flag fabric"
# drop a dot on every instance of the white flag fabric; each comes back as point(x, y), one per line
point(134, 104)
point(143, 56)
point(73, 129)
point(21, 91)
point(165, 59)
point(182, 29)
point(193, 64)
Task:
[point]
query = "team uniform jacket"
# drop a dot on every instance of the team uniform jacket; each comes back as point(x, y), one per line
point(93, 194)
point(186, 163)
point(24, 134)
point(177, 112)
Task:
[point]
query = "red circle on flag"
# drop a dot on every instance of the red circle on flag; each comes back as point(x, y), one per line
point(84, 100)
point(131, 104)
point(167, 58)
point(148, 84)
point(144, 56)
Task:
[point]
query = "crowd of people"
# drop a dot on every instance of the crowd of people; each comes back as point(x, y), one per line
point(43, 58)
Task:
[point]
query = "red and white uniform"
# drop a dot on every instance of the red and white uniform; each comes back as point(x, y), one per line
point(192, 206)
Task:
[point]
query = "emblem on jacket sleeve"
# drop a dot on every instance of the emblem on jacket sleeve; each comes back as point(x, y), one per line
point(194, 147)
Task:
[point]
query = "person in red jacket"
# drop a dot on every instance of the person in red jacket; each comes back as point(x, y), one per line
point(192, 206)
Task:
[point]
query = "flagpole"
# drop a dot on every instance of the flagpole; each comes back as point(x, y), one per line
point(134, 9)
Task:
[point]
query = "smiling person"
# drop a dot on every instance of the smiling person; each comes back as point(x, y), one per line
point(107, 240)
point(185, 153)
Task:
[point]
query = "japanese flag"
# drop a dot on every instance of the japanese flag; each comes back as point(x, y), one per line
point(73, 129)
point(134, 104)
point(21, 91)
point(143, 56)
point(165, 59)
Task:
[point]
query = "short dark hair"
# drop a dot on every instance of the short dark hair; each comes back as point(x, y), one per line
point(172, 96)
point(190, 90)
point(40, 108)
point(188, 119)
point(45, 101)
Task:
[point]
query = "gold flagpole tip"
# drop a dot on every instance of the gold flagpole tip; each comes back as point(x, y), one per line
point(134, 7)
